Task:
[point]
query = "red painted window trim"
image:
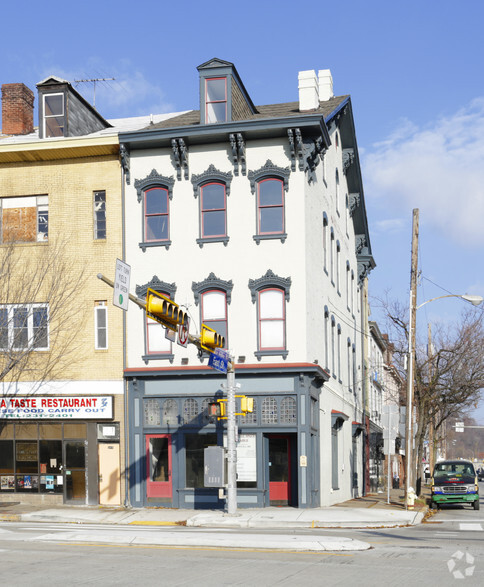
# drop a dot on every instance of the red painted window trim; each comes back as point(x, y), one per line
point(167, 214)
point(203, 211)
point(283, 319)
point(207, 102)
point(281, 205)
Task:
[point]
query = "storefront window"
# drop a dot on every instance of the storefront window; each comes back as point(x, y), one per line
point(31, 457)
point(194, 457)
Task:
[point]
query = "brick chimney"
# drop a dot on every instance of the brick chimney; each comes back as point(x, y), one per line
point(308, 90)
point(17, 109)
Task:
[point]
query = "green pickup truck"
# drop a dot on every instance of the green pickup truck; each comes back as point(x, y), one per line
point(454, 482)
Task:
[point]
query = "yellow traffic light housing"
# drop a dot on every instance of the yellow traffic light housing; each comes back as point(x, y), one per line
point(165, 311)
point(210, 340)
point(246, 404)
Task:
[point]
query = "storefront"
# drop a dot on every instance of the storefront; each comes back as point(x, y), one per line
point(170, 426)
point(58, 449)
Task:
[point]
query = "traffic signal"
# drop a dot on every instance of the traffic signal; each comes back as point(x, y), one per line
point(210, 340)
point(165, 311)
point(217, 409)
point(246, 404)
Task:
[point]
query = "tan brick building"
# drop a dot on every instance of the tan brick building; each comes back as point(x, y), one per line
point(62, 410)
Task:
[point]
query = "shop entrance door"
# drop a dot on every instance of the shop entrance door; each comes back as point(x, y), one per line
point(75, 471)
point(279, 469)
point(109, 474)
point(158, 461)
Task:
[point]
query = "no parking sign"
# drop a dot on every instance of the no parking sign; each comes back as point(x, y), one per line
point(183, 333)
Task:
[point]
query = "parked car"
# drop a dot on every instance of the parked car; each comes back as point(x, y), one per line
point(455, 482)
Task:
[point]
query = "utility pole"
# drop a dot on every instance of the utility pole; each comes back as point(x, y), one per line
point(411, 353)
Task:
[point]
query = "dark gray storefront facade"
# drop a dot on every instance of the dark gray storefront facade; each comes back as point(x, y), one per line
point(278, 448)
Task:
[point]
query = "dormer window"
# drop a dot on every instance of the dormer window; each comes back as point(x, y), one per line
point(216, 99)
point(54, 115)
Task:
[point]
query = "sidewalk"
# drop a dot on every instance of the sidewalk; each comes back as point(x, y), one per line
point(371, 511)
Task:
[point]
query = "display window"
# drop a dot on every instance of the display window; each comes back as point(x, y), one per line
point(32, 456)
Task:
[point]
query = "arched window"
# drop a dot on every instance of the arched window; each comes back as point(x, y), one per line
point(214, 295)
point(271, 294)
point(212, 188)
point(156, 223)
point(213, 212)
point(272, 320)
point(157, 346)
point(190, 412)
point(155, 192)
point(288, 411)
point(269, 184)
point(170, 413)
point(269, 410)
point(270, 207)
point(325, 242)
point(214, 312)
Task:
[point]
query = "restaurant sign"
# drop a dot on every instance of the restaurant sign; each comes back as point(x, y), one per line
point(56, 407)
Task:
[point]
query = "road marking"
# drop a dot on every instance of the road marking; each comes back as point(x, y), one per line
point(471, 527)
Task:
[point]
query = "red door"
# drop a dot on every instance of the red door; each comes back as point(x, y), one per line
point(279, 470)
point(158, 464)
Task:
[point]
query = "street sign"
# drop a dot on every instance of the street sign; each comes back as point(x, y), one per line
point(122, 277)
point(459, 426)
point(218, 362)
point(170, 334)
point(183, 333)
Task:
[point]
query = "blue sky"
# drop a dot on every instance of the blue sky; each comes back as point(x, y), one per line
point(414, 71)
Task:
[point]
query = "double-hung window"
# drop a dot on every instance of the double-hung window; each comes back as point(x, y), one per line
point(272, 320)
point(24, 326)
point(101, 325)
point(24, 219)
point(216, 100)
point(54, 115)
point(100, 215)
point(213, 210)
point(156, 214)
point(214, 312)
point(270, 206)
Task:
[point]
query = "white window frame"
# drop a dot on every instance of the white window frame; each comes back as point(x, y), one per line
point(98, 212)
point(100, 307)
point(263, 320)
point(30, 327)
point(47, 116)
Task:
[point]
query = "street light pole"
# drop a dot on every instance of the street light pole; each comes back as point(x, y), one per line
point(473, 299)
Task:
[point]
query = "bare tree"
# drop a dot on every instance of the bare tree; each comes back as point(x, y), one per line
point(40, 320)
point(448, 381)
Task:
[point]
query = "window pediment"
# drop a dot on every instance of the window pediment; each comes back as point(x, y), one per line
point(269, 170)
point(267, 280)
point(212, 282)
point(211, 174)
point(154, 179)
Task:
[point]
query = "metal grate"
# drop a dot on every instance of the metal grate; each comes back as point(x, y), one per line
point(454, 489)
point(190, 412)
point(269, 411)
point(170, 413)
point(152, 413)
point(250, 417)
point(288, 411)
